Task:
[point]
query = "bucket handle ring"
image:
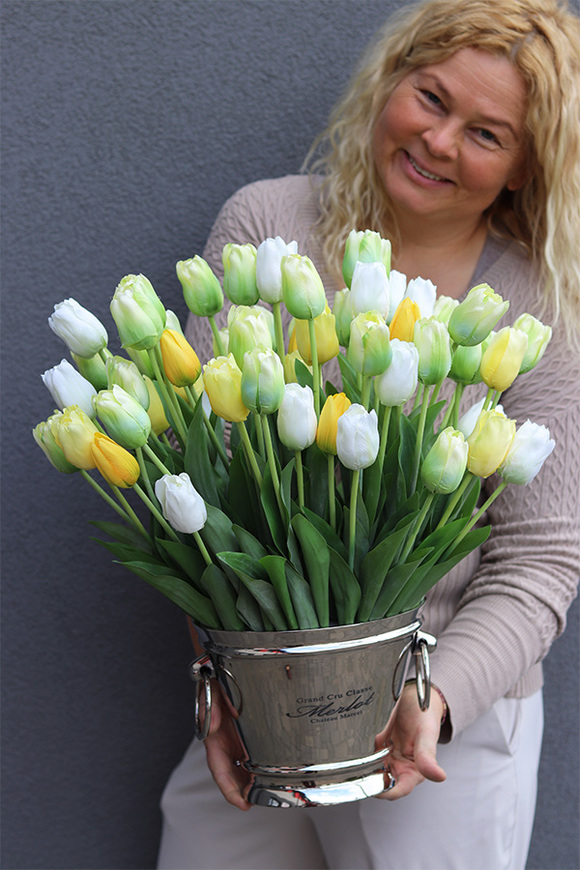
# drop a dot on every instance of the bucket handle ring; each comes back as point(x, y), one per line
point(419, 646)
point(201, 672)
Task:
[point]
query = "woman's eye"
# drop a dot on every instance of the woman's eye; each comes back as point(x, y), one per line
point(433, 98)
point(487, 135)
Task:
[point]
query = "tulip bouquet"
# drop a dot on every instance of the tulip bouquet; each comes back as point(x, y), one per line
point(278, 500)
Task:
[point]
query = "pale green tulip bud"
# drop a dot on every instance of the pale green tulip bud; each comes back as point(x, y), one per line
point(81, 331)
point(342, 310)
point(94, 369)
point(249, 328)
point(431, 339)
point(262, 381)
point(364, 247)
point(475, 317)
point(423, 292)
point(46, 441)
point(539, 336)
point(126, 374)
point(302, 287)
point(369, 289)
point(369, 349)
point(126, 421)
point(297, 421)
point(182, 505)
point(489, 442)
point(465, 364)
point(201, 289)
point(357, 437)
point(528, 451)
point(445, 464)
point(68, 387)
point(398, 382)
point(397, 290)
point(138, 313)
point(268, 271)
point(444, 308)
point(240, 273)
point(501, 361)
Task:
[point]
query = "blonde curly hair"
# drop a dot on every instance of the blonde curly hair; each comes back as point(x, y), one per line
point(542, 39)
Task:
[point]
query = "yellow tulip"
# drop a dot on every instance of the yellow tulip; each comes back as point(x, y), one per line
point(334, 407)
point(502, 359)
point(180, 361)
point(222, 378)
point(117, 465)
point(327, 346)
point(156, 411)
point(402, 326)
point(489, 442)
point(292, 343)
point(289, 362)
point(73, 431)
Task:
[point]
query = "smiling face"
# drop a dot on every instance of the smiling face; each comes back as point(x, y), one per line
point(451, 137)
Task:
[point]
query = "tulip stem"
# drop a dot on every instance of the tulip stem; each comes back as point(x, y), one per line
point(331, 492)
point(419, 442)
point(299, 477)
point(210, 430)
point(488, 398)
point(128, 508)
point(216, 335)
point(169, 394)
point(384, 437)
point(143, 467)
point(475, 519)
point(453, 501)
point(366, 392)
point(154, 459)
point(452, 411)
point(495, 400)
point(156, 512)
point(354, 486)
point(271, 460)
point(249, 451)
point(131, 516)
point(202, 548)
point(259, 435)
point(315, 367)
point(277, 310)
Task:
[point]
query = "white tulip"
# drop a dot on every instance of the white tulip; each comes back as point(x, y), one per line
point(369, 290)
point(424, 293)
point(297, 420)
point(528, 451)
point(357, 437)
point(467, 422)
point(182, 506)
point(398, 382)
point(397, 289)
point(268, 271)
point(81, 331)
point(68, 387)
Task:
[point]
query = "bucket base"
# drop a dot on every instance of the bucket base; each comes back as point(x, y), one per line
point(308, 794)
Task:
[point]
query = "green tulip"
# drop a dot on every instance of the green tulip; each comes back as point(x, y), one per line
point(45, 439)
point(538, 337)
point(302, 287)
point(126, 374)
point(369, 349)
point(262, 381)
point(445, 464)
point(201, 289)
point(239, 263)
point(138, 313)
point(431, 339)
point(125, 419)
point(473, 319)
point(249, 328)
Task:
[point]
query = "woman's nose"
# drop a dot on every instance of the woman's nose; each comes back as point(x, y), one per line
point(442, 139)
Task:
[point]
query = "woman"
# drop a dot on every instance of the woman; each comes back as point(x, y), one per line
point(459, 141)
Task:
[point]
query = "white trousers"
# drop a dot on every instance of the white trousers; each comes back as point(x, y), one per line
point(480, 818)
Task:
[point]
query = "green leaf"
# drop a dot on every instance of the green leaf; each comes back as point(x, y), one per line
point(317, 559)
point(276, 568)
point(394, 582)
point(406, 455)
point(215, 583)
point(243, 495)
point(301, 596)
point(253, 575)
point(178, 590)
point(123, 534)
point(345, 589)
point(248, 609)
point(327, 532)
point(278, 522)
point(248, 543)
point(189, 559)
point(208, 482)
point(128, 553)
point(350, 379)
point(376, 565)
point(303, 374)
point(316, 479)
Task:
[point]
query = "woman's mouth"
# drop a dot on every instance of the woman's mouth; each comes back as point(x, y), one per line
point(424, 172)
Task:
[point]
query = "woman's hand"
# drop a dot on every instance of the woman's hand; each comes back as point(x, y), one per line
point(223, 749)
point(412, 735)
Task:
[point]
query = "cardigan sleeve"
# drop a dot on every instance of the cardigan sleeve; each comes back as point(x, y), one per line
point(515, 604)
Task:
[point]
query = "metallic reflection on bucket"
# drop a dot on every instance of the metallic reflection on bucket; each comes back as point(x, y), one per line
point(311, 703)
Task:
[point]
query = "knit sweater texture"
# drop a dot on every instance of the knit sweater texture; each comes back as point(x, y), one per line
point(496, 614)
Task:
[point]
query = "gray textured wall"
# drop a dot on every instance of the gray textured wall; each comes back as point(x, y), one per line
point(125, 125)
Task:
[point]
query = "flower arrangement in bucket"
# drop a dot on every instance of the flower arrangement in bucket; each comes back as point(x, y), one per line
point(283, 503)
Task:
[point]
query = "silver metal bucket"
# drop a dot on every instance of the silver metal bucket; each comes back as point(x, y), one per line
point(311, 703)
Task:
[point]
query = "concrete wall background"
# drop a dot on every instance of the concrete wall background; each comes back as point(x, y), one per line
point(125, 125)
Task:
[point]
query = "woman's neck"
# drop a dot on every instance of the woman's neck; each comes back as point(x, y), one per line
point(447, 259)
